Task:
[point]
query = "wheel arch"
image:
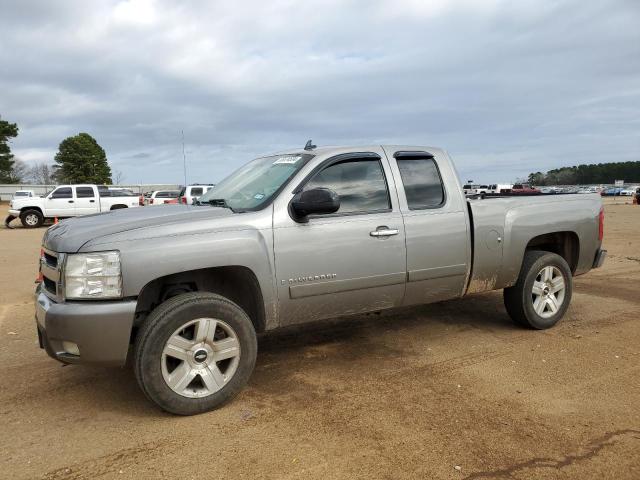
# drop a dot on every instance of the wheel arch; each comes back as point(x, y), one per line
point(235, 282)
point(118, 206)
point(563, 243)
point(24, 209)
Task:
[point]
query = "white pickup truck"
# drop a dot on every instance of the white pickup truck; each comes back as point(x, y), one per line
point(68, 201)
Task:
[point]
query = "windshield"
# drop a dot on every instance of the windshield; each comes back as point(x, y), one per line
point(254, 185)
point(22, 194)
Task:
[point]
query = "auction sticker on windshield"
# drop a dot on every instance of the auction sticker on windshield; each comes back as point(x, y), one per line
point(288, 160)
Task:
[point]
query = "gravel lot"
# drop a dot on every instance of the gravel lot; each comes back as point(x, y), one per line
point(452, 390)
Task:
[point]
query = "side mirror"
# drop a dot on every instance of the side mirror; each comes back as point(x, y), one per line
point(315, 201)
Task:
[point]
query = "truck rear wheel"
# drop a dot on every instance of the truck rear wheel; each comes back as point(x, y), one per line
point(194, 352)
point(542, 294)
point(31, 218)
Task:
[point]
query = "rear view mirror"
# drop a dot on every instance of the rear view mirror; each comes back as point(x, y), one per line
point(315, 201)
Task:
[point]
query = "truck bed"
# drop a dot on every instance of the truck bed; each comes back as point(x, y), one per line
point(503, 227)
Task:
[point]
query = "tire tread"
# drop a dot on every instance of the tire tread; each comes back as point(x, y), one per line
point(157, 317)
point(515, 297)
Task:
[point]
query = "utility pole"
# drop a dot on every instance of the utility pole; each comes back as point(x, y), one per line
point(184, 159)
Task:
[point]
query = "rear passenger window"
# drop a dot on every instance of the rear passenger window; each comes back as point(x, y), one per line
point(84, 192)
point(422, 182)
point(196, 191)
point(360, 184)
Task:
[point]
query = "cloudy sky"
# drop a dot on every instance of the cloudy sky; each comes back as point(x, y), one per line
point(506, 87)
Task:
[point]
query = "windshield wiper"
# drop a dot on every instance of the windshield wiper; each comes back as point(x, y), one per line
point(220, 202)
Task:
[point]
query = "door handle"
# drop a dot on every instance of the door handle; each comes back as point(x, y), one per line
point(92, 201)
point(384, 232)
point(70, 201)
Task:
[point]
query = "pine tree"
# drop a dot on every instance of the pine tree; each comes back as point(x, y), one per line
point(7, 131)
point(81, 160)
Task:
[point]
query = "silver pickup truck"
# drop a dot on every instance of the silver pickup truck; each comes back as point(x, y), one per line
point(290, 238)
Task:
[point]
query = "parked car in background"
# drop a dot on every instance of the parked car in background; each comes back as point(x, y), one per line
point(524, 189)
point(117, 192)
point(481, 190)
point(160, 197)
point(611, 192)
point(292, 238)
point(628, 192)
point(190, 193)
point(23, 194)
point(500, 188)
point(68, 201)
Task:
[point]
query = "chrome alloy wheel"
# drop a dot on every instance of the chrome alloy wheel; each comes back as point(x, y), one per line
point(548, 291)
point(31, 219)
point(200, 357)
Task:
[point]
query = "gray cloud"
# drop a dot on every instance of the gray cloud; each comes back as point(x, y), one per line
point(505, 87)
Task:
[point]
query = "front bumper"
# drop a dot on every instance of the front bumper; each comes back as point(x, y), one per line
point(100, 329)
point(601, 255)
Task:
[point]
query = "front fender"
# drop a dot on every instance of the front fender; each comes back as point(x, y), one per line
point(148, 259)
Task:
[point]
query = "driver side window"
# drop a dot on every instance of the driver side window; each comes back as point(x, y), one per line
point(360, 184)
point(63, 192)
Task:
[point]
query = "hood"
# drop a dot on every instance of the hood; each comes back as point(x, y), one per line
point(71, 234)
point(19, 202)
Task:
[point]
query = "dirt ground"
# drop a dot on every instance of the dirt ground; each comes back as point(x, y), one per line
point(452, 390)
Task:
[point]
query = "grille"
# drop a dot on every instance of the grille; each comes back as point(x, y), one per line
point(50, 267)
point(51, 260)
point(50, 286)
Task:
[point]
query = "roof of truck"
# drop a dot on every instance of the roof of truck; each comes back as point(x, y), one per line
point(328, 149)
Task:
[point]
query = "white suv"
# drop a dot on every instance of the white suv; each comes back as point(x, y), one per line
point(192, 192)
point(160, 197)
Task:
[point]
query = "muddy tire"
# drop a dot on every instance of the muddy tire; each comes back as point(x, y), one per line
point(31, 218)
point(194, 352)
point(542, 294)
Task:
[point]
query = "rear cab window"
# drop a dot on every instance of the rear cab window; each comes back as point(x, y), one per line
point(85, 192)
point(421, 181)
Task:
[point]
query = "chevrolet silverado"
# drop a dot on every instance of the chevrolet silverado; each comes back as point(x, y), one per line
point(296, 237)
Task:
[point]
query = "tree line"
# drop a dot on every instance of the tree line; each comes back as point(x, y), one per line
point(601, 173)
point(80, 159)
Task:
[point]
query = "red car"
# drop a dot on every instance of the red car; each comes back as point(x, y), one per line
point(524, 189)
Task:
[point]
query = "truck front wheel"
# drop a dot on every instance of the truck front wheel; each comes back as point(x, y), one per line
point(31, 218)
point(542, 294)
point(194, 352)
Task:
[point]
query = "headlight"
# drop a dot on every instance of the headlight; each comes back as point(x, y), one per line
point(93, 275)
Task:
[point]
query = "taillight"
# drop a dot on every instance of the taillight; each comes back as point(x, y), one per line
point(183, 200)
point(151, 201)
point(601, 224)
